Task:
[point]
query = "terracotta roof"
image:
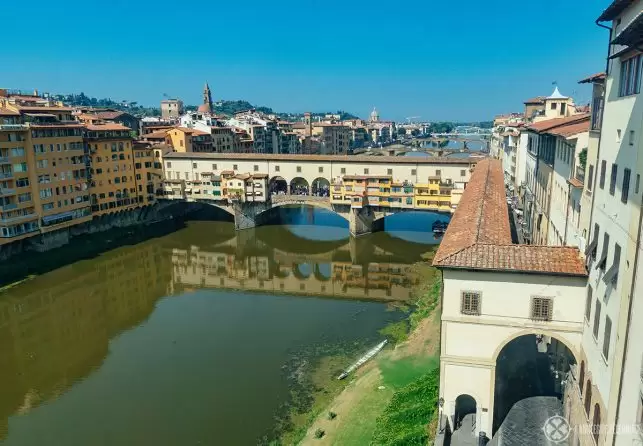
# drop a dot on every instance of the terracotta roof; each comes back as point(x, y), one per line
point(329, 158)
point(571, 129)
point(109, 114)
point(479, 235)
point(593, 78)
point(536, 100)
point(196, 132)
point(108, 126)
point(160, 134)
point(28, 108)
point(550, 124)
point(575, 182)
point(260, 175)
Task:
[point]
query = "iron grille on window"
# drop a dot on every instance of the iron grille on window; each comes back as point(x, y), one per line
point(541, 308)
point(470, 303)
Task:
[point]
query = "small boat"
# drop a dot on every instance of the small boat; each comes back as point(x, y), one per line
point(372, 352)
point(439, 227)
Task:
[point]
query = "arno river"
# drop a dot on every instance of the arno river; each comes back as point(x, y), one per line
point(204, 336)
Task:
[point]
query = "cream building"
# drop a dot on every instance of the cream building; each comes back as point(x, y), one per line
point(495, 293)
point(607, 385)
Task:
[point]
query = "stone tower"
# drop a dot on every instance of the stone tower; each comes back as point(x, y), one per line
point(206, 107)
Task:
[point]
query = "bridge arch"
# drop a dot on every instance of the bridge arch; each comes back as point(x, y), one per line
point(320, 187)
point(302, 271)
point(278, 184)
point(299, 186)
point(323, 271)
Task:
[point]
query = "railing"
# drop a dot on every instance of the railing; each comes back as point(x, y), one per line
point(13, 126)
point(4, 175)
point(4, 159)
point(18, 218)
point(7, 191)
point(8, 207)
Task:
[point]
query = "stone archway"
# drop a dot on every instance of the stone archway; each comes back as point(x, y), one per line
point(321, 187)
point(302, 271)
point(323, 271)
point(464, 405)
point(277, 185)
point(299, 186)
point(527, 366)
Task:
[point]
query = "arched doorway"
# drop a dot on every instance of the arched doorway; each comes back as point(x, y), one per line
point(596, 423)
point(321, 187)
point(278, 185)
point(464, 405)
point(299, 186)
point(302, 271)
point(529, 366)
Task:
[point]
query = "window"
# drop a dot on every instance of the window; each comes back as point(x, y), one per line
point(611, 276)
point(235, 167)
point(46, 193)
point(637, 184)
point(321, 169)
point(606, 337)
point(613, 177)
point(588, 397)
point(298, 169)
point(630, 79)
point(631, 137)
point(438, 172)
point(553, 105)
point(625, 191)
point(470, 303)
point(343, 170)
point(597, 318)
point(596, 423)
point(256, 168)
point(463, 173)
point(562, 108)
point(581, 376)
point(214, 167)
point(389, 171)
point(365, 171)
point(588, 303)
point(47, 206)
point(276, 168)
point(590, 179)
point(168, 165)
point(541, 308)
point(194, 165)
point(606, 244)
point(601, 180)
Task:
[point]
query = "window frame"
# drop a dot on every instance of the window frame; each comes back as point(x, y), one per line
point(539, 301)
point(467, 299)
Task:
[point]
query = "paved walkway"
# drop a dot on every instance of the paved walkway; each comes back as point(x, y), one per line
point(465, 435)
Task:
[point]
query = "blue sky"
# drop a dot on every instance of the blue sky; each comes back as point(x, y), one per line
point(441, 60)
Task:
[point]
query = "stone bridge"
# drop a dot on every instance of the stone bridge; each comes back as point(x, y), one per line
point(363, 220)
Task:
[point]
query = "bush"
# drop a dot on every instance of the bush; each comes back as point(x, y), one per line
point(332, 415)
point(319, 433)
point(405, 419)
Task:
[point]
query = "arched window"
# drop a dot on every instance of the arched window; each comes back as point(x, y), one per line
point(581, 376)
point(588, 397)
point(596, 423)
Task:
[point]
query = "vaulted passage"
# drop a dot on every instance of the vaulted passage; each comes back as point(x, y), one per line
point(529, 366)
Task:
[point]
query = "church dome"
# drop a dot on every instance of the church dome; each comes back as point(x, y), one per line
point(374, 115)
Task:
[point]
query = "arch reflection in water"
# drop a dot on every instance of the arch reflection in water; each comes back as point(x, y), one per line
point(272, 259)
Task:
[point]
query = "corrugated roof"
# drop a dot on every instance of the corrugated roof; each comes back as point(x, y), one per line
point(328, 158)
point(479, 235)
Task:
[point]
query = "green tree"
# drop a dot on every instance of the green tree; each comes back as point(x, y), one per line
point(401, 131)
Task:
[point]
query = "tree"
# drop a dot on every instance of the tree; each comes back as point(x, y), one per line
point(401, 131)
point(415, 132)
point(582, 158)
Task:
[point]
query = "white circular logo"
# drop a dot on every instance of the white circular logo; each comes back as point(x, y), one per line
point(556, 429)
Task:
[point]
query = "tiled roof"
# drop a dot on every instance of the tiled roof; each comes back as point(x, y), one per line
point(575, 182)
point(328, 158)
point(571, 129)
point(550, 124)
point(536, 100)
point(593, 78)
point(160, 134)
point(479, 235)
point(104, 127)
point(109, 114)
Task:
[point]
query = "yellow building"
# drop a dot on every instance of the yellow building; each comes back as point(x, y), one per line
point(43, 177)
point(434, 195)
point(149, 174)
point(113, 183)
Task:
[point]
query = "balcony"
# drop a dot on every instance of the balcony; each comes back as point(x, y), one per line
point(4, 175)
point(13, 127)
point(4, 160)
point(8, 207)
point(7, 191)
point(597, 113)
point(19, 218)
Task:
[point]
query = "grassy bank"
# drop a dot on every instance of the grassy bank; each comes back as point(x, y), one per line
point(392, 400)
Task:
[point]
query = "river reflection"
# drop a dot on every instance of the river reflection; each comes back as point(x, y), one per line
point(192, 338)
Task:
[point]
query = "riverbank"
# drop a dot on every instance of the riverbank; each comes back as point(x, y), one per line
point(351, 416)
